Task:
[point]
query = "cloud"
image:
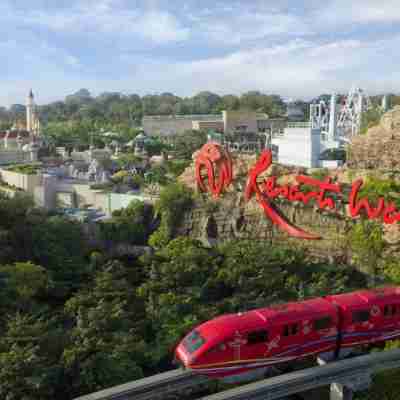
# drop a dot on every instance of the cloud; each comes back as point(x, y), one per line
point(298, 68)
point(343, 12)
point(161, 27)
point(227, 47)
point(106, 17)
point(234, 25)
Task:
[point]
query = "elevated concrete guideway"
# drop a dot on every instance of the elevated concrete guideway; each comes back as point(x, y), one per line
point(344, 378)
point(151, 388)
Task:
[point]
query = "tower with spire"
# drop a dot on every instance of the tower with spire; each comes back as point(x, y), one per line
point(30, 105)
point(32, 120)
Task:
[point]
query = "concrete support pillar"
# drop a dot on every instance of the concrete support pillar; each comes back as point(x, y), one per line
point(340, 392)
point(332, 118)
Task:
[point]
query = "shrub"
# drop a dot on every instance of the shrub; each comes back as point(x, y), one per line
point(174, 200)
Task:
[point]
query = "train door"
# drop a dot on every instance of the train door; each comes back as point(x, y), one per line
point(357, 333)
point(390, 318)
point(323, 336)
point(291, 339)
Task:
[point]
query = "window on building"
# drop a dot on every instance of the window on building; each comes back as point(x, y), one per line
point(291, 329)
point(360, 316)
point(257, 336)
point(322, 323)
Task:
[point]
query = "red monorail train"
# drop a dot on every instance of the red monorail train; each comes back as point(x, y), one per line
point(241, 344)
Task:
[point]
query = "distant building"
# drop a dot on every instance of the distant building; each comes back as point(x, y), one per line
point(32, 119)
point(244, 142)
point(243, 131)
point(304, 145)
point(295, 112)
point(226, 122)
point(217, 125)
point(171, 125)
point(14, 139)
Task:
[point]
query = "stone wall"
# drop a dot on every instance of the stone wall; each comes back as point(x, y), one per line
point(379, 148)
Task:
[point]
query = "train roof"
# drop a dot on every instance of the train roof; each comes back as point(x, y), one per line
point(366, 297)
point(280, 314)
point(228, 323)
point(295, 311)
point(264, 317)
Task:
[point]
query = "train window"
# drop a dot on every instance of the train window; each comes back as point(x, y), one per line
point(289, 330)
point(386, 310)
point(217, 348)
point(360, 316)
point(257, 337)
point(322, 323)
point(286, 330)
point(193, 342)
point(390, 310)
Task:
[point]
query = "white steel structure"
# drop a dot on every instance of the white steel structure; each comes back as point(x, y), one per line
point(349, 121)
point(331, 126)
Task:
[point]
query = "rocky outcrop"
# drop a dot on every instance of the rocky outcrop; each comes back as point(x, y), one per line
point(379, 148)
point(232, 217)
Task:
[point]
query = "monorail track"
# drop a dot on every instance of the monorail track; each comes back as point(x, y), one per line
point(354, 373)
point(154, 387)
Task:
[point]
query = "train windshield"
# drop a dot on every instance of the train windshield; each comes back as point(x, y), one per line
point(193, 341)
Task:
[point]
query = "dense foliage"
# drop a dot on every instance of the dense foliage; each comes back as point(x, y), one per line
point(75, 319)
point(78, 119)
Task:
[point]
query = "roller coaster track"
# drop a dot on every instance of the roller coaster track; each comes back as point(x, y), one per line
point(354, 373)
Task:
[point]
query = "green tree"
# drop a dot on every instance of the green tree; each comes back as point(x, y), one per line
point(186, 144)
point(367, 245)
point(370, 118)
point(174, 199)
point(28, 362)
point(23, 281)
point(60, 247)
point(104, 348)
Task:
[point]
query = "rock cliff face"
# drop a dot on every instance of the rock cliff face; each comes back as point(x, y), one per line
point(231, 216)
point(379, 148)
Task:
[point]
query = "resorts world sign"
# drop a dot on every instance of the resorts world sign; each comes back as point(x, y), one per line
point(218, 164)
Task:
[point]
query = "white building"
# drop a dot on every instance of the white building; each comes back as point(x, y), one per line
point(299, 145)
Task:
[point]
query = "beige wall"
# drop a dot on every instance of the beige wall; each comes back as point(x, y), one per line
point(204, 125)
point(21, 181)
point(167, 125)
point(234, 119)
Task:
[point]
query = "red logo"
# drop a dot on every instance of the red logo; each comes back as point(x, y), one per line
point(387, 211)
point(218, 164)
point(253, 188)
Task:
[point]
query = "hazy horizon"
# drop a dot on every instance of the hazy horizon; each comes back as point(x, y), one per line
point(295, 49)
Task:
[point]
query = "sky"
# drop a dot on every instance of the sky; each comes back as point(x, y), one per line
point(295, 48)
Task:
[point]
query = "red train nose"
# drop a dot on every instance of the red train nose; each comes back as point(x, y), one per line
point(182, 356)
